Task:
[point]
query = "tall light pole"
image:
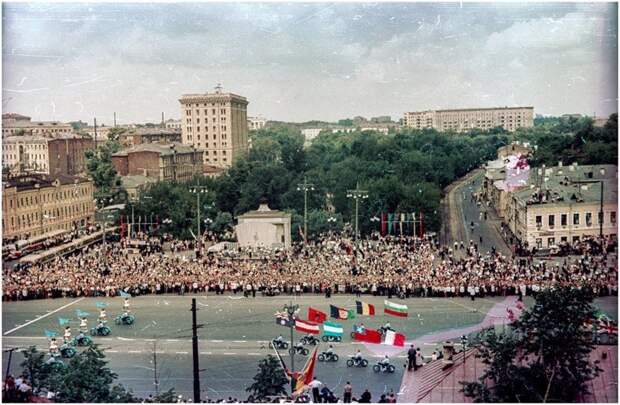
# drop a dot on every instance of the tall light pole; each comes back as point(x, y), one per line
point(291, 310)
point(305, 187)
point(198, 190)
point(357, 194)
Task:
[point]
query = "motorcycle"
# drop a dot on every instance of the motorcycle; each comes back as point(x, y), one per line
point(309, 340)
point(279, 344)
point(82, 340)
point(379, 367)
point(299, 350)
point(355, 362)
point(67, 351)
point(125, 319)
point(325, 356)
point(331, 338)
point(100, 330)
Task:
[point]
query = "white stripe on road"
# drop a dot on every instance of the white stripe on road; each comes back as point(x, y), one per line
point(216, 341)
point(111, 351)
point(181, 352)
point(239, 341)
point(172, 340)
point(205, 352)
point(254, 354)
point(134, 351)
point(43, 316)
point(122, 338)
point(229, 354)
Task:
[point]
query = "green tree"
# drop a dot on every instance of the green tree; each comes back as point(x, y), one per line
point(269, 381)
point(545, 358)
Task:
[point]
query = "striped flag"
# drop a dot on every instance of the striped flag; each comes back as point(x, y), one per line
point(392, 308)
point(304, 377)
point(364, 308)
point(332, 329)
point(307, 327)
point(394, 339)
point(341, 313)
point(282, 319)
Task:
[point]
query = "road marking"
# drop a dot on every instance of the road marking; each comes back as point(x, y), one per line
point(111, 351)
point(254, 354)
point(216, 341)
point(181, 352)
point(122, 338)
point(43, 316)
point(229, 354)
point(134, 351)
point(172, 340)
point(150, 340)
point(239, 341)
point(205, 352)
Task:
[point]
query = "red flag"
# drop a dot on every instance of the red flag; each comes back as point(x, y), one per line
point(383, 224)
point(305, 376)
point(315, 315)
point(307, 327)
point(369, 336)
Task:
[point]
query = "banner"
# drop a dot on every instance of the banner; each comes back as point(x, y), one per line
point(315, 315)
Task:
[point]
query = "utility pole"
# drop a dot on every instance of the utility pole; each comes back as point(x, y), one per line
point(155, 375)
point(8, 364)
point(95, 137)
point(198, 190)
point(291, 310)
point(195, 353)
point(305, 186)
point(357, 194)
point(114, 119)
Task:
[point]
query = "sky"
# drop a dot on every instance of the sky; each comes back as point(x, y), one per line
point(305, 61)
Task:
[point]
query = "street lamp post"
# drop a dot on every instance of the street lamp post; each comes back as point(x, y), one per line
point(292, 309)
point(357, 194)
point(305, 187)
point(198, 190)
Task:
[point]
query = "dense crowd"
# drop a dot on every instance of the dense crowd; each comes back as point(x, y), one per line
point(401, 266)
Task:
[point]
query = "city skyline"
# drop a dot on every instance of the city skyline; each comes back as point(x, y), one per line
point(298, 62)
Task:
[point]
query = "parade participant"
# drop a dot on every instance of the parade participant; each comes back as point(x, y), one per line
point(53, 346)
point(358, 355)
point(385, 361)
point(67, 334)
point(103, 318)
point(126, 305)
point(84, 325)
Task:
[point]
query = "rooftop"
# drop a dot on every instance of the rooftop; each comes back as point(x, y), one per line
point(162, 149)
point(136, 181)
point(29, 181)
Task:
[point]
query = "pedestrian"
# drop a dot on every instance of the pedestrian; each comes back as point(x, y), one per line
point(348, 392)
point(366, 397)
point(316, 394)
point(411, 359)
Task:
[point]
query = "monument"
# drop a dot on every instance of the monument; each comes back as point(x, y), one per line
point(264, 227)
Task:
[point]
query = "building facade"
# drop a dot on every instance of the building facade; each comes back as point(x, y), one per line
point(562, 204)
point(255, 123)
point(215, 124)
point(264, 228)
point(460, 120)
point(172, 162)
point(60, 155)
point(34, 205)
point(16, 124)
point(173, 124)
point(139, 136)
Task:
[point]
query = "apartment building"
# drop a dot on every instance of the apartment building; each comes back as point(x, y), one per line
point(37, 204)
point(255, 123)
point(215, 124)
point(16, 124)
point(63, 154)
point(172, 162)
point(173, 124)
point(563, 204)
point(461, 120)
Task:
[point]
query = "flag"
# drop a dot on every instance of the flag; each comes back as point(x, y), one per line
point(369, 336)
point(101, 305)
point(341, 313)
point(421, 224)
point(413, 222)
point(305, 376)
point(383, 223)
point(301, 232)
point(50, 333)
point(390, 223)
point(81, 314)
point(315, 315)
point(392, 308)
point(608, 326)
point(394, 339)
point(287, 373)
point(332, 329)
point(124, 294)
point(63, 321)
point(307, 327)
point(364, 308)
point(282, 319)
point(402, 219)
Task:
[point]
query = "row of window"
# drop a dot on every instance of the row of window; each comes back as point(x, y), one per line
point(36, 146)
point(575, 220)
point(35, 219)
point(206, 129)
point(188, 112)
point(48, 197)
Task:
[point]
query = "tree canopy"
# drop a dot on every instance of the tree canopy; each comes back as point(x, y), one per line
point(269, 381)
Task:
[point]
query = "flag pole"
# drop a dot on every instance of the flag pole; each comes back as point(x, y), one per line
point(291, 309)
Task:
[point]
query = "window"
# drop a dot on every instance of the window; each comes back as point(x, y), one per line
point(550, 242)
point(551, 221)
point(575, 239)
point(564, 239)
point(564, 219)
point(588, 218)
point(538, 243)
point(539, 220)
point(612, 217)
point(575, 219)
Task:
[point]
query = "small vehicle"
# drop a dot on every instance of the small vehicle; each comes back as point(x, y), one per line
point(67, 350)
point(82, 340)
point(357, 329)
point(100, 330)
point(309, 340)
point(355, 362)
point(325, 356)
point(331, 338)
point(380, 367)
point(125, 319)
point(299, 350)
point(279, 344)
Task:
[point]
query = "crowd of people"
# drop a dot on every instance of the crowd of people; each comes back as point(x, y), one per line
point(399, 266)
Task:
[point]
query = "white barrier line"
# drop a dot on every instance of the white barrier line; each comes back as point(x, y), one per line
point(43, 316)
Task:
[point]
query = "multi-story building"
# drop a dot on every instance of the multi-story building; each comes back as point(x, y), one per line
point(173, 124)
point(34, 205)
point(173, 162)
point(16, 124)
point(58, 155)
point(138, 136)
point(255, 123)
point(216, 124)
point(460, 120)
point(563, 204)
